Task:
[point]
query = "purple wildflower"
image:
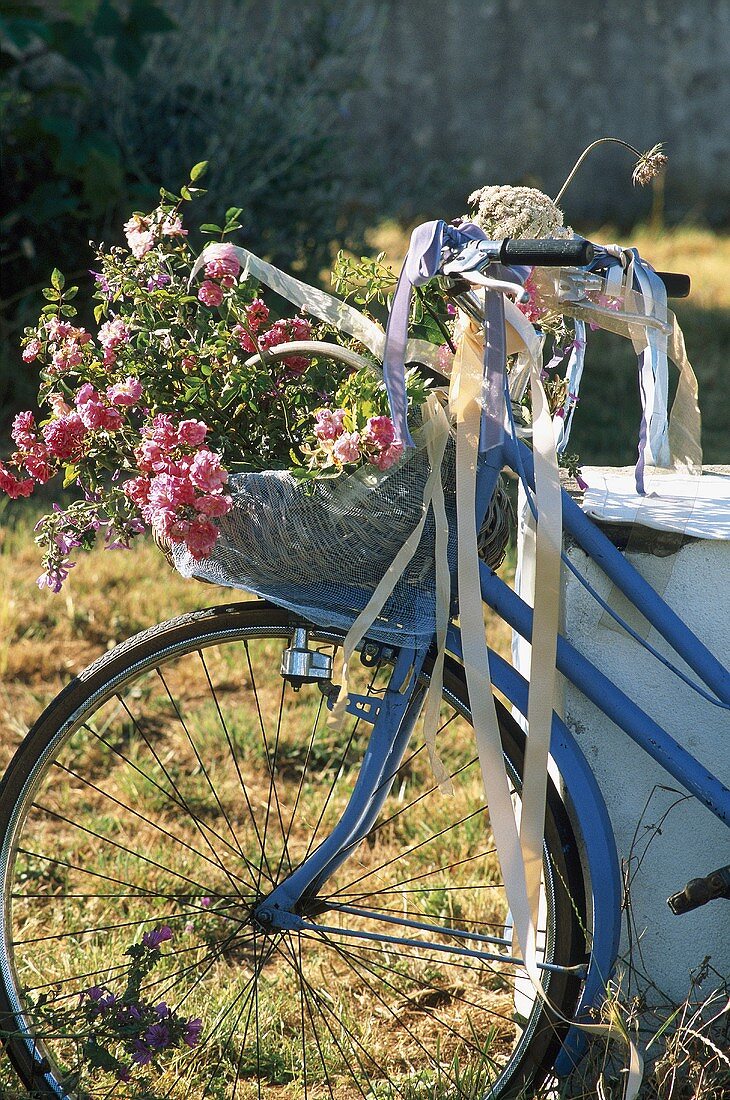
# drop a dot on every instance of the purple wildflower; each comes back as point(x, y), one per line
point(142, 1055)
point(157, 1036)
point(157, 936)
point(192, 1032)
point(103, 283)
point(157, 281)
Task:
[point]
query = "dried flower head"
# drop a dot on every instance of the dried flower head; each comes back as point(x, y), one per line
point(503, 211)
point(648, 166)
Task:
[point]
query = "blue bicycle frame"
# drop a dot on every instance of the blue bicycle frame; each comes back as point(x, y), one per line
point(394, 715)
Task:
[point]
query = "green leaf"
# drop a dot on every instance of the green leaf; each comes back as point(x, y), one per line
point(57, 279)
point(230, 227)
point(70, 475)
point(99, 312)
point(71, 293)
point(164, 194)
point(198, 169)
point(51, 294)
point(49, 309)
point(233, 213)
point(209, 227)
point(67, 311)
point(185, 193)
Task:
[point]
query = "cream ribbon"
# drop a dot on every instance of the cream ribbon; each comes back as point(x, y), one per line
point(520, 853)
point(434, 433)
point(344, 317)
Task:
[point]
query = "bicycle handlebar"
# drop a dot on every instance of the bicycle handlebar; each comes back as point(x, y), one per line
point(572, 252)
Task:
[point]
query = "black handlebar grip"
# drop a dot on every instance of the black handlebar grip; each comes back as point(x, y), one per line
point(678, 285)
point(572, 252)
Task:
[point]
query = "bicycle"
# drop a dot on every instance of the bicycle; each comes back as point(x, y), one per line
point(341, 927)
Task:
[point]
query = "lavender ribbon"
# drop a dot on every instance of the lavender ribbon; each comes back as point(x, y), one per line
point(424, 258)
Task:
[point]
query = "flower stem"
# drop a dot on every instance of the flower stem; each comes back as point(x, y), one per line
point(584, 154)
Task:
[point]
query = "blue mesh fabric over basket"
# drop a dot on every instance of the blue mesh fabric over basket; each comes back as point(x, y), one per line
point(320, 548)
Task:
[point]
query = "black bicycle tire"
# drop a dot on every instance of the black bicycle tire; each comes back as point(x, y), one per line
point(538, 1057)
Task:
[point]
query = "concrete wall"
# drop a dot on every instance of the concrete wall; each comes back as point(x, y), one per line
point(467, 92)
point(663, 838)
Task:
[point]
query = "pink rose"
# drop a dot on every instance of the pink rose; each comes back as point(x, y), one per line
point(192, 432)
point(140, 237)
point(214, 504)
point(225, 253)
point(137, 489)
point(170, 492)
point(58, 330)
point(162, 430)
point(296, 364)
point(92, 414)
point(389, 457)
point(257, 314)
point(59, 406)
point(379, 430)
point(244, 339)
point(113, 333)
point(201, 538)
point(172, 227)
point(31, 351)
point(23, 430)
point(65, 437)
point(36, 463)
point(151, 456)
point(210, 294)
point(328, 424)
point(225, 268)
point(206, 472)
point(12, 486)
point(347, 447)
point(300, 328)
point(127, 392)
point(86, 393)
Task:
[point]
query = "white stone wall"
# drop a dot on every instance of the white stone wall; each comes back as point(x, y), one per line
point(663, 838)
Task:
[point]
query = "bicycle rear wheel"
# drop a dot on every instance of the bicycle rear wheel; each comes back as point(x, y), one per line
point(163, 794)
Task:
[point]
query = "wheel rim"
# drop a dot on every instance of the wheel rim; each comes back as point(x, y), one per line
point(150, 810)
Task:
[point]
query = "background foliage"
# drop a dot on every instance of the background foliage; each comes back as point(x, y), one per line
point(103, 101)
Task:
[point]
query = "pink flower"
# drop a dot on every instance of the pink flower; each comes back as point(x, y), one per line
point(201, 538)
point(157, 936)
point(112, 419)
point(113, 333)
point(210, 294)
point(328, 424)
point(172, 227)
point(36, 463)
point(347, 447)
point(31, 351)
point(137, 489)
point(57, 329)
point(58, 405)
point(225, 253)
point(223, 268)
point(274, 336)
point(300, 328)
point(446, 359)
point(379, 431)
point(244, 339)
point(206, 472)
point(189, 363)
point(65, 437)
point(67, 355)
point(162, 430)
point(23, 430)
point(140, 237)
point(192, 432)
point(151, 456)
point(389, 457)
point(257, 314)
point(296, 364)
point(12, 486)
point(170, 492)
point(91, 410)
point(127, 392)
point(214, 504)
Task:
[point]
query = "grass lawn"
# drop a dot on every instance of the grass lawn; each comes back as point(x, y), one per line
point(46, 640)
